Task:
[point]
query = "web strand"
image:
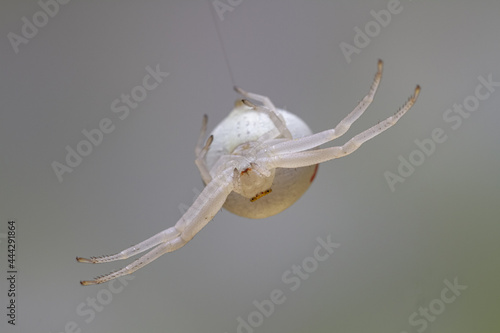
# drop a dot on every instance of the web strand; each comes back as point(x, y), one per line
point(221, 42)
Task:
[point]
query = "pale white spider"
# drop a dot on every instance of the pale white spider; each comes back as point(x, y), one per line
point(257, 162)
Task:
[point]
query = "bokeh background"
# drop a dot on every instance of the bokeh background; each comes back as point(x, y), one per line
point(397, 248)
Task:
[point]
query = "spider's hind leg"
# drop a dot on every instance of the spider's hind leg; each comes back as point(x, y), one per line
point(270, 110)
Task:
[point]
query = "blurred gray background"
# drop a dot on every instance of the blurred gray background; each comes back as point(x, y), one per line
point(398, 246)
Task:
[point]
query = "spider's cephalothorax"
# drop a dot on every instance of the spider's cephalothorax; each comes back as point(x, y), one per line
point(256, 163)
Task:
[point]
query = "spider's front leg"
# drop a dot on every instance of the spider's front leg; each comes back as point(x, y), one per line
point(295, 159)
point(202, 211)
point(315, 140)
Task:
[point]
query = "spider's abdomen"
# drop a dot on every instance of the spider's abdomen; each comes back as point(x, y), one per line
point(244, 125)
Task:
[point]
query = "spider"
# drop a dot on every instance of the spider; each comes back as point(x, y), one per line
point(256, 163)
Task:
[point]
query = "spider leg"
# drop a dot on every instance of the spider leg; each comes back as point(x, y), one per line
point(320, 138)
point(311, 157)
point(270, 110)
point(346, 123)
point(161, 237)
point(269, 135)
point(200, 152)
point(202, 211)
point(201, 163)
point(203, 131)
point(139, 263)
